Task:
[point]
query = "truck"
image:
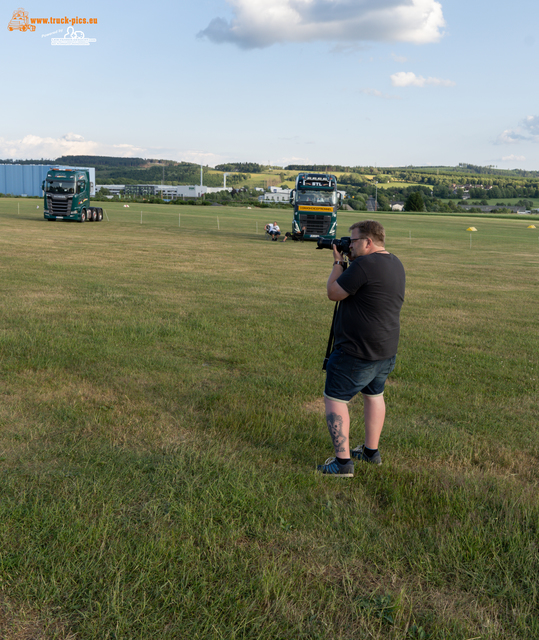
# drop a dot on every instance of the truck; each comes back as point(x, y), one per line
point(316, 201)
point(67, 196)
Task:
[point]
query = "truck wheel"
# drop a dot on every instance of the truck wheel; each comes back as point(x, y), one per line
point(99, 215)
point(83, 215)
point(94, 215)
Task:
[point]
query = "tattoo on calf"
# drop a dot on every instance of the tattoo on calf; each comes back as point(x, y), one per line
point(335, 423)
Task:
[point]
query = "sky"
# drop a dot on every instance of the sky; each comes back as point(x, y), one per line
point(348, 82)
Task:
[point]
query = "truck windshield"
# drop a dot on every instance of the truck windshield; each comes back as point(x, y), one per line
point(55, 186)
point(316, 197)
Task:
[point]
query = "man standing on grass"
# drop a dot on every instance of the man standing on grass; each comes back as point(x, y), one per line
point(371, 294)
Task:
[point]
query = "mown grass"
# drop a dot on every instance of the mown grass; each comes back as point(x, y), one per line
point(160, 422)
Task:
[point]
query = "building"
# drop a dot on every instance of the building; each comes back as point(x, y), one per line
point(197, 191)
point(115, 189)
point(26, 179)
point(163, 191)
point(136, 190)
point(276, 195)
point(166, 192)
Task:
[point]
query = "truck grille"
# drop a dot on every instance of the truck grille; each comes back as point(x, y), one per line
point(59, 207)
point(318, 225)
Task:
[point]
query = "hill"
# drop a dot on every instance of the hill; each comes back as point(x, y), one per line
point(441, 180)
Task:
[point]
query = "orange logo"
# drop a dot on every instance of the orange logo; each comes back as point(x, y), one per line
point(20, 21)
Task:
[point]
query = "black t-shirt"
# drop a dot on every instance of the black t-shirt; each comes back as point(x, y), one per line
point(367, 324)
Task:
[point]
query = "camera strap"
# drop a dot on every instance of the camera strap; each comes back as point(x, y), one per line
point(331, 338)
point(332, 330)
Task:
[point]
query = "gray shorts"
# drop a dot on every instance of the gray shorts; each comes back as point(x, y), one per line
point(346, 376)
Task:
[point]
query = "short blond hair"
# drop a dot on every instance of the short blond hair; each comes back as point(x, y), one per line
point(371, 229)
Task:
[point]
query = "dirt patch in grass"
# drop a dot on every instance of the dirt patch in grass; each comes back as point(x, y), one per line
point(83, 409)
point(22, 623)
point(408, 603)
point(315, 406)
point(485, 459)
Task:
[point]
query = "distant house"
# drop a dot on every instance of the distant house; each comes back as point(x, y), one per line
point(397, 206)
point(276, 195)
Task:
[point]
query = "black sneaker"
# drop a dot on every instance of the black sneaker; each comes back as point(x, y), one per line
point(359, 454)
point(332, 468)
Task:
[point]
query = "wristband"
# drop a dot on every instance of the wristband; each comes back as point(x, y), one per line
point(339, 262)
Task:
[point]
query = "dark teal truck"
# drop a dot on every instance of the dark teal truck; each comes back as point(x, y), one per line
point(67, 196)
point(316, 201)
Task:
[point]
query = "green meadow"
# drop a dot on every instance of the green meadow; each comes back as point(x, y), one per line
point(161, 419)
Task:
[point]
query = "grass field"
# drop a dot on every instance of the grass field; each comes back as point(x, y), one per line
point(161, 420)
point(264, 179)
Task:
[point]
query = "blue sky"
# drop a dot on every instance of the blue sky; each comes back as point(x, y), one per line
point(353, 82)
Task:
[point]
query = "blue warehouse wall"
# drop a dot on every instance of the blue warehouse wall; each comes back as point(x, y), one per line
point(26, 179)
point(22, 179)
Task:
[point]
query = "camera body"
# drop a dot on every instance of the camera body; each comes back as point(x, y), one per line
point(342, 244)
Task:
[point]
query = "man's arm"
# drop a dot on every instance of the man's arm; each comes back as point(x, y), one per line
point(334, 290)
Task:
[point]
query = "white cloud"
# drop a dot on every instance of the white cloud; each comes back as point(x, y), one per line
point(32, 146)
point(202, 157)
point(513, 158)
point(409, 79)
point(508, 137)
point(262, 23)
point(73, 144)
point(526, 131)
point(531, 125)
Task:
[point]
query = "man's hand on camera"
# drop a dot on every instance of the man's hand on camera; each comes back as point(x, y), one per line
point(335, 291)
point(337, 255)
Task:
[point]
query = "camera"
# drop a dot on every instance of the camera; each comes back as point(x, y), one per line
point(342, 244)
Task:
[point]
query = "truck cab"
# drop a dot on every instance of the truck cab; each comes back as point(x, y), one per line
point(315, 200)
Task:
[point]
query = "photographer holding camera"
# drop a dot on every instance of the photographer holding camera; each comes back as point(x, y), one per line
point(370, 294)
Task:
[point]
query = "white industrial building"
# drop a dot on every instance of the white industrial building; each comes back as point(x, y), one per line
point(164, 191)
point(191, 191)
point(275, 195)
point(115, 189)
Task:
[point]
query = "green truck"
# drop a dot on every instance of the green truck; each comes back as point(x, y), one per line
point(316, 201)
point(67, 196)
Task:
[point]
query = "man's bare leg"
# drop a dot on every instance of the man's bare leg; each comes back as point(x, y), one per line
point(374, 412)
point(338, 421)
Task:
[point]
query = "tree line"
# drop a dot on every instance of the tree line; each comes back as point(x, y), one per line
point(241, 167)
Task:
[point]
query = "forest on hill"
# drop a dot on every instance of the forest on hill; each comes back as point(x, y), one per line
point(391, 184)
